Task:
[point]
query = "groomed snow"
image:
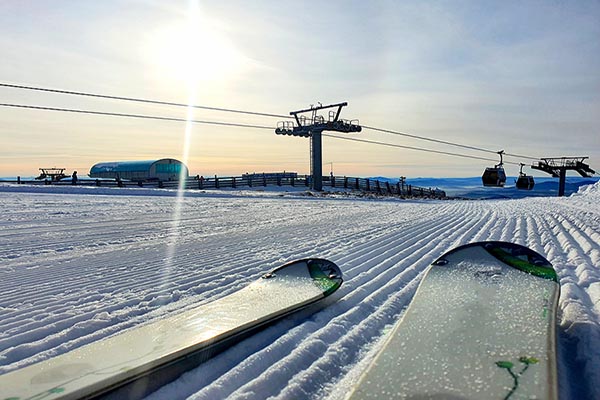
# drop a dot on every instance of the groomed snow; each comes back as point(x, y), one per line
point(77, 268)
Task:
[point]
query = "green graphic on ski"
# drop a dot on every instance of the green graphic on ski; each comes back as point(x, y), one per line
point(481, 326)
point(135, 363)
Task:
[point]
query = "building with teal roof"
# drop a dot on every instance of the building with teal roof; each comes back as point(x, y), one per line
point(165, 169)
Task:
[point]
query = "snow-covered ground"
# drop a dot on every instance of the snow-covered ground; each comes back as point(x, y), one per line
point(77, 268)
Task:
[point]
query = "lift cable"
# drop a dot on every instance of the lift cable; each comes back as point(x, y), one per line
point(138, 100)
point(154, 117)
point(446, 142)
point(159, 102)
point(448, 153)
point(113, 114)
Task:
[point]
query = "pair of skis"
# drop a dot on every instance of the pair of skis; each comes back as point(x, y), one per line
point(481, 325)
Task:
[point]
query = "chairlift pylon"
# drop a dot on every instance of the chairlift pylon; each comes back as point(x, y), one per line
point(524, 182)
point(495, 176)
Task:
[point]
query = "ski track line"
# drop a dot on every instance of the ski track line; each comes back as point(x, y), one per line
point(156, 277)
point(573, 307)
point(129, 238)
point(537, 238)
point(118, 225)
point(519, 231)
point(157, 263)
point(587, 237)
point(482, 231)
point(507, 229)
point(585, 270)
point(151, 267)
point(409, 239)
point(592, 217)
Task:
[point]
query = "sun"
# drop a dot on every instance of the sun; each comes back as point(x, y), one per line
point(194, 50)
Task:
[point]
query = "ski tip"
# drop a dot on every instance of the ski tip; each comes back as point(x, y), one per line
point(513, 255)
point(326, 274)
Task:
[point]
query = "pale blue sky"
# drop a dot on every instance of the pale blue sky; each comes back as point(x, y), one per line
point(522, 76)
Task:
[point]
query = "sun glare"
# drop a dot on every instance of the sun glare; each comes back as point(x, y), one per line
point(194, 50)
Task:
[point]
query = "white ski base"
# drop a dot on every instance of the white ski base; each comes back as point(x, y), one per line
point(98, 367)
point(469, 321)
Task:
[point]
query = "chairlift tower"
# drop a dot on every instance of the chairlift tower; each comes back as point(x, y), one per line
point(312, 127)
point(558, 167)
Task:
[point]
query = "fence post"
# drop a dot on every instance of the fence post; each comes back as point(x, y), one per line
point(332, 181)
point(217, 182)
point(292, 181)
point(233, 183)
point(357, 185)
point(345, 182)
point(264, 180)
point(368, 186)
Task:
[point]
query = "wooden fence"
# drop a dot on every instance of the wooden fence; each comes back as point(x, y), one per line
point(383, 188)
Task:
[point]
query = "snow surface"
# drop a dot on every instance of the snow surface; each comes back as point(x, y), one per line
point(77, 268)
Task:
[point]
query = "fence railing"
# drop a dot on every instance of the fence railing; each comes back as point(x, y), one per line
point(384, 188)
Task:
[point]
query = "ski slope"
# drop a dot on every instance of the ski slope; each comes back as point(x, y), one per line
point(80, 264)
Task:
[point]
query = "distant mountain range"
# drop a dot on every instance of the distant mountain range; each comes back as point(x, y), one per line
point(472, 188)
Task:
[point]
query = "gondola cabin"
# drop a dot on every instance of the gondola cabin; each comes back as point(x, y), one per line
point(494, 177)
point(524, 182)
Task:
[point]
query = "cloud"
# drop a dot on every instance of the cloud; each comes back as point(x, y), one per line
point(516, 75)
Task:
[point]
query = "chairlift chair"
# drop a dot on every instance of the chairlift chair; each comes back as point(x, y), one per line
point(524, 182)
point(495, 176)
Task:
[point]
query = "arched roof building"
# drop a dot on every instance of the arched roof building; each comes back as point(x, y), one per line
point(165, 169)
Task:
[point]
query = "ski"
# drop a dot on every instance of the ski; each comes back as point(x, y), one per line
point(480, 326)
point(136, 362)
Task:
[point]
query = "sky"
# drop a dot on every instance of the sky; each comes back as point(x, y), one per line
point(519, 76)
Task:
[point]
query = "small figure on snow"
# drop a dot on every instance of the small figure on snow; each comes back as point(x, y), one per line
point(74, 178)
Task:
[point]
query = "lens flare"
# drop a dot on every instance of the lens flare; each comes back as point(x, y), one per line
point(175, 229)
